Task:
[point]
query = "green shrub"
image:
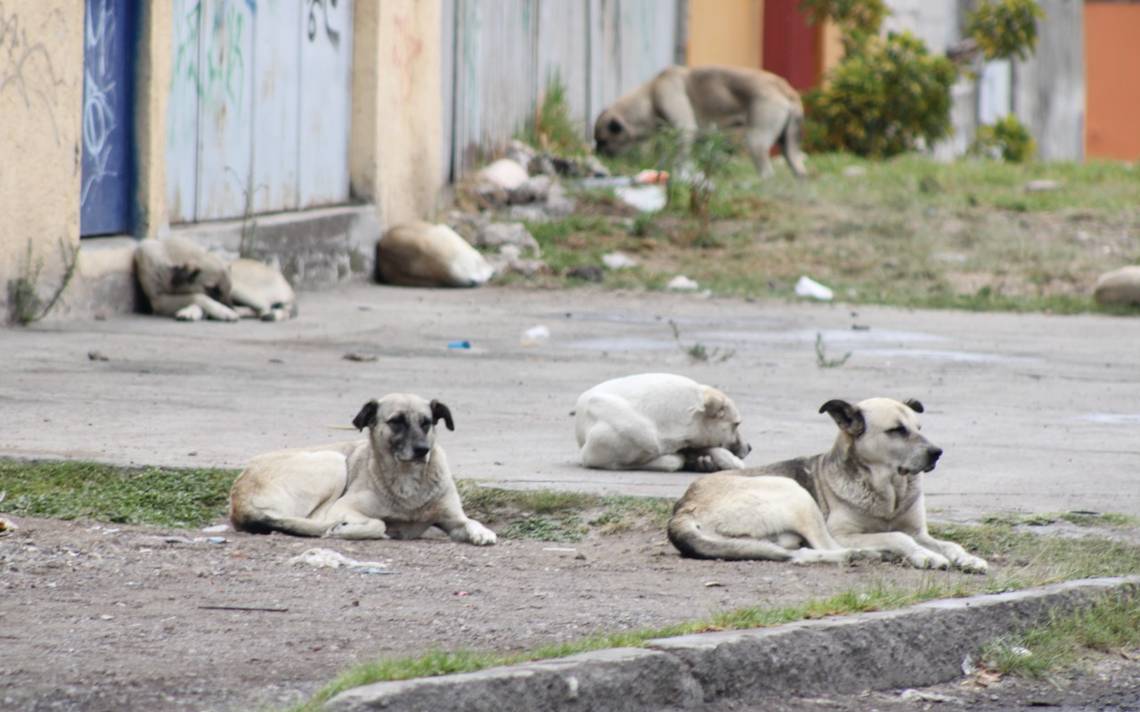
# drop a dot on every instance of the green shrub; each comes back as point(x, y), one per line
point(1007, 139)
point(858, 20)
point(883, 99)
point(552, 128)
point(1005, 28)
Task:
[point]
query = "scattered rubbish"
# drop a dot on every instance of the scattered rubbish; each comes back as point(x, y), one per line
point(681, 283)
point(560, 549)
point(1020, 651)
point(651, 177)
point(462, 593)
point(912, 695)
point(854, 171)
point(97, 356)
point(360, 357)
point(374, 570)
point(464, 344)
point(217, 528)
point(586, 273)
point(713, 584)
point(535, 335)
point(275, 360)
point(106, 617)
point(860, 327)
point(192, 453)
point(251, 609)
point(607, 182)
point(646, 198)
point(618, 260)
point(7, 526)
point(1042, 185)
point(808, 287)
point(327, 558)
point(821, 358)
point(216, 539)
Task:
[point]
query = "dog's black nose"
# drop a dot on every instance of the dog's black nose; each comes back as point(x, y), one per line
point(934, 453)
point(420, 451)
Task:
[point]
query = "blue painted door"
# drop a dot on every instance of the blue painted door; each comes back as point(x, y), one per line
point(105, 197)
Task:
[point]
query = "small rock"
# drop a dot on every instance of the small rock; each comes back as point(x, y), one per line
point(97, 356)
point(532, 190)
point(618, 260)
point(1120, 287)
point(535, 335)
point(1042, 185)
point(501, 234)
point(558, 203)
point(216, 529)
point(529, 213)
point(808, 287)
point(503, 174)
point(911, 695)
point(466, 224)
point(327, 558)
point(586, 273)
point(681, 283)
point(360, 357)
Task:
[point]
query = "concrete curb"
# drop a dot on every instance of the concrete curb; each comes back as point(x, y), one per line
point(910, 647)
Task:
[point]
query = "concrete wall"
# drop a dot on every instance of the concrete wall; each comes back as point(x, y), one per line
point(726, 32)
point(1049, 87)
point(396, 107)
point(41, 105)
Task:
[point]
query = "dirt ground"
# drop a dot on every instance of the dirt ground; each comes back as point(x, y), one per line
point(106, 617)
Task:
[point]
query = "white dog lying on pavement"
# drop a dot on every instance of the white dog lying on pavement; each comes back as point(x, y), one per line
point(658, 421)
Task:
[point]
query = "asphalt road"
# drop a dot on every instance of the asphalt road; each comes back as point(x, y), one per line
point(1035, 412)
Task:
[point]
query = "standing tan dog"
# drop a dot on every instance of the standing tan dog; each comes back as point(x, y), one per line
point(658, 421)
point(396, 483)
point(864, 495)
point(768, 108)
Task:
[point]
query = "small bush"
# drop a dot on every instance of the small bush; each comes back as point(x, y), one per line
point(553, 129)
point(1005, 28)
point(858, 20)
point(1007, 139)
point(887, 98)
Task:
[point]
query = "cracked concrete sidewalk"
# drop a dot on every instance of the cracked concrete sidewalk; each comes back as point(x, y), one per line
point(1035, 412)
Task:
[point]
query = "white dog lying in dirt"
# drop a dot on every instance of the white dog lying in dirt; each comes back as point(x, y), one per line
point(421, 254)
point(183, 280)
point(396, 483)
point(658, 421)
point(862, 498)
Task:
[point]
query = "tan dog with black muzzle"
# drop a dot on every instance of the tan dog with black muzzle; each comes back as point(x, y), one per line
point(396, 483)
point(764, 104)
point(863, 497)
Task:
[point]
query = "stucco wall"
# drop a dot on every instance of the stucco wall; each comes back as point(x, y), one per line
point(396, 107)
point(726, 32)
point(41, 100)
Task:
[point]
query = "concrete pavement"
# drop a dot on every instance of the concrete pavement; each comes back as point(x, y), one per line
point(1035, 412)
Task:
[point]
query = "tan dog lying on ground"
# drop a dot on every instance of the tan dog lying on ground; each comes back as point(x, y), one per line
point(863, 496)
point(658, 421)
point(768, 108)
point(396, 483)
point(420, 254)
point(183, 280)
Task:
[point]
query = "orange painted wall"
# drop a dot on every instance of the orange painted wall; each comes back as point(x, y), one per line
point(1112, 80)
point(725, 32)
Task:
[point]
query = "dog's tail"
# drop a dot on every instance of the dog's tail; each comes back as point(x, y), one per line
point(697, 542)
point(255, 521)
point(791, 139)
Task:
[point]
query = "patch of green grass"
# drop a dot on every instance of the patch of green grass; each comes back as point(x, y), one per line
point(158, 496)
point(1106, 627)
point(548, 515)
point(552, 128)
point(1083, 519)
point(908, 232)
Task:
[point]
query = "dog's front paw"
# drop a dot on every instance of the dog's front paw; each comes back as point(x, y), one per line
point(923, 559)
point(478, 534)
point(372, 529)
point(226, 314)
point(705, 463)
point(972, 564)
point(193, 312)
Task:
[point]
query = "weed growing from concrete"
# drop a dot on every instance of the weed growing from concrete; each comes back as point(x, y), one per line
point(25, 303)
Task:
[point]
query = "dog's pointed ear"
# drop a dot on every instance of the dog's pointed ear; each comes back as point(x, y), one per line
point(366, 418)
point(846, 416)
point(183, 275)
point(713, 402)
point(914, 404)
point(441, 412)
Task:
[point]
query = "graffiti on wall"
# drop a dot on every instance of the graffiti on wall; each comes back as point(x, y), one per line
point(26, 66)
point(311, 28)
point(98, 94)
point(222, 80)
